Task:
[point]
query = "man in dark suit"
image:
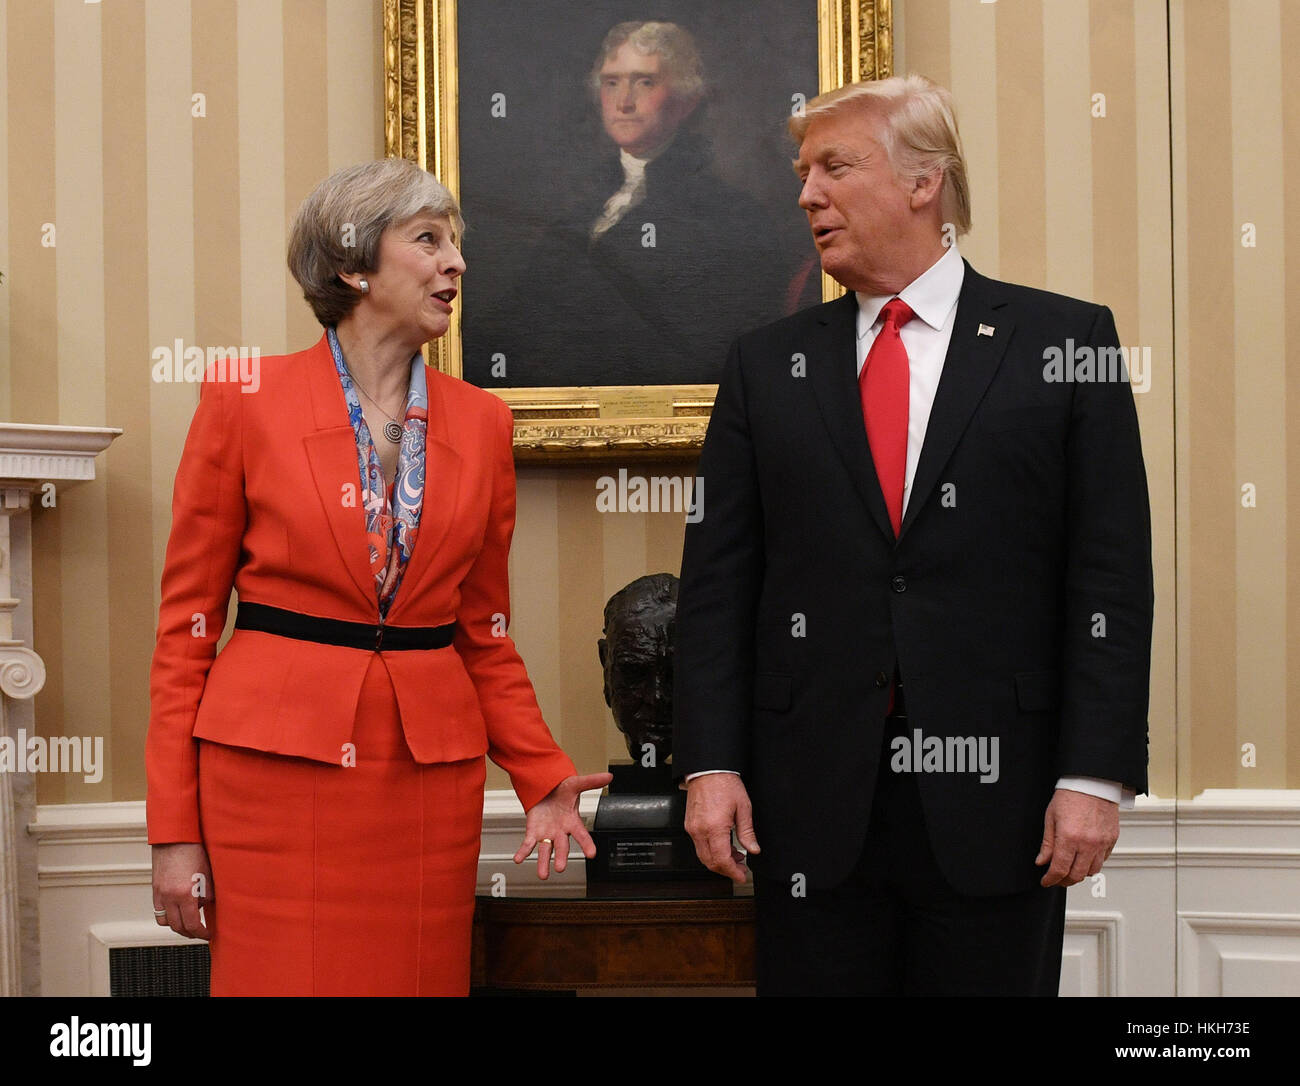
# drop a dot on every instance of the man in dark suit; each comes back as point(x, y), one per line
point(914, 623)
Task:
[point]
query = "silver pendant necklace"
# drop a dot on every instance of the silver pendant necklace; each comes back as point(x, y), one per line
point(392, 428)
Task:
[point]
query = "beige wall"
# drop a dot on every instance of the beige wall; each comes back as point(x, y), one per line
point(169, 225)
point(173, 226)
point(1238, 422)
point(1144, 210)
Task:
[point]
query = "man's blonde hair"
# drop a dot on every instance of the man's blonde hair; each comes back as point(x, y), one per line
point(919, 133)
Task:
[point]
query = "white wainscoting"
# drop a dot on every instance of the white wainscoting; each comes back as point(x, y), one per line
point(1204, 900)
point(1239, 894)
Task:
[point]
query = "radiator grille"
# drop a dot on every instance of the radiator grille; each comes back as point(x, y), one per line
point(158, 971)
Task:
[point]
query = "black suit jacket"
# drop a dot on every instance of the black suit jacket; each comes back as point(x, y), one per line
point(1027, 534)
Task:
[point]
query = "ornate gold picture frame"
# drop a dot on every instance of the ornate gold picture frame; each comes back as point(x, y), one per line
point(421, 123)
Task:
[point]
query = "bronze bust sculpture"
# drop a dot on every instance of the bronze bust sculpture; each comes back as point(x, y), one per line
point(636, 653)
point(641, 841)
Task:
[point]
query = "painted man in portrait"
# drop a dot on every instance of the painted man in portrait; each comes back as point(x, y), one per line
point(655, 263)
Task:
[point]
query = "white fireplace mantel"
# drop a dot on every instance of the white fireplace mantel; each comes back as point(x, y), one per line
point(31, 456)
point(36, 454)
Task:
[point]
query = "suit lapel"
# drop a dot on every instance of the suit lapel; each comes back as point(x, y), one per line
point(833, 370)
point(973, 357)
point(332, 453)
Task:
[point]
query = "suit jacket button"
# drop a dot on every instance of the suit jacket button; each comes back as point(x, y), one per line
point(898, 584)
point(882, 680)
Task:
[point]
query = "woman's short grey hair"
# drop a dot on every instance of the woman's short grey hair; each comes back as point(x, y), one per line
point(675, 46)
point(920, 133)
point(337, 228)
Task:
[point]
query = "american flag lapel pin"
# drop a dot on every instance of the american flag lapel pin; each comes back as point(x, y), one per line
point(985, 330)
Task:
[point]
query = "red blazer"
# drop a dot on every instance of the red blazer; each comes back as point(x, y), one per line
point(267, 500)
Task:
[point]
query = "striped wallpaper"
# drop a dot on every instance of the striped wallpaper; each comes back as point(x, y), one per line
point(171, 225)
point(1237, 426)
point(184, 135)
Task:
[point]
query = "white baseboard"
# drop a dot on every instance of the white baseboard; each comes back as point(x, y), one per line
point(1198, 898)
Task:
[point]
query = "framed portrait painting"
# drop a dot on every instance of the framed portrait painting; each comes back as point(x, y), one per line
point(624, 172)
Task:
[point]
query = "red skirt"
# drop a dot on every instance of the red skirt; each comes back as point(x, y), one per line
point(334, 880)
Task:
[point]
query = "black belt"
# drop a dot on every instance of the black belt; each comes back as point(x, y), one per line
point(333, 631)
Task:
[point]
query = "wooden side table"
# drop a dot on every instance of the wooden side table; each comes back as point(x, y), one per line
point(587, 943)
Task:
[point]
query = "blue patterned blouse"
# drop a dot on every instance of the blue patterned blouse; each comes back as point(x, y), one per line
point(392, 518)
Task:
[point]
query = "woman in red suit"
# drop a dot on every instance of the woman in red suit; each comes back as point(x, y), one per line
point(317, 787)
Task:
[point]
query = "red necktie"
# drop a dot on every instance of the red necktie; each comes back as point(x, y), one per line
point(885, 384)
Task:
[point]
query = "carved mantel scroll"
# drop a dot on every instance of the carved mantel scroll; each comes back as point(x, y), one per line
point(22, 672)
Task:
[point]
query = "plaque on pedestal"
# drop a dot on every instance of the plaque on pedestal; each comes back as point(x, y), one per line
point(640, 832)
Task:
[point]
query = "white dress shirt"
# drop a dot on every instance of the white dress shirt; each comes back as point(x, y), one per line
point(932, 296)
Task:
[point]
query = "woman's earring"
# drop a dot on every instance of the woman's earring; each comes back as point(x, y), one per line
point(365, 286)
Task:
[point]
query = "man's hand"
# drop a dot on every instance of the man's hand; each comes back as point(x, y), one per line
point(715, 803)
point(1078, 833)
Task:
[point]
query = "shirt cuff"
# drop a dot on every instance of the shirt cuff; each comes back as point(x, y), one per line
point(1102, 788)
point(1091, 786)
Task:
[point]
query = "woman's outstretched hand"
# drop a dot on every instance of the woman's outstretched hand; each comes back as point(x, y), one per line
point(553, 820)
